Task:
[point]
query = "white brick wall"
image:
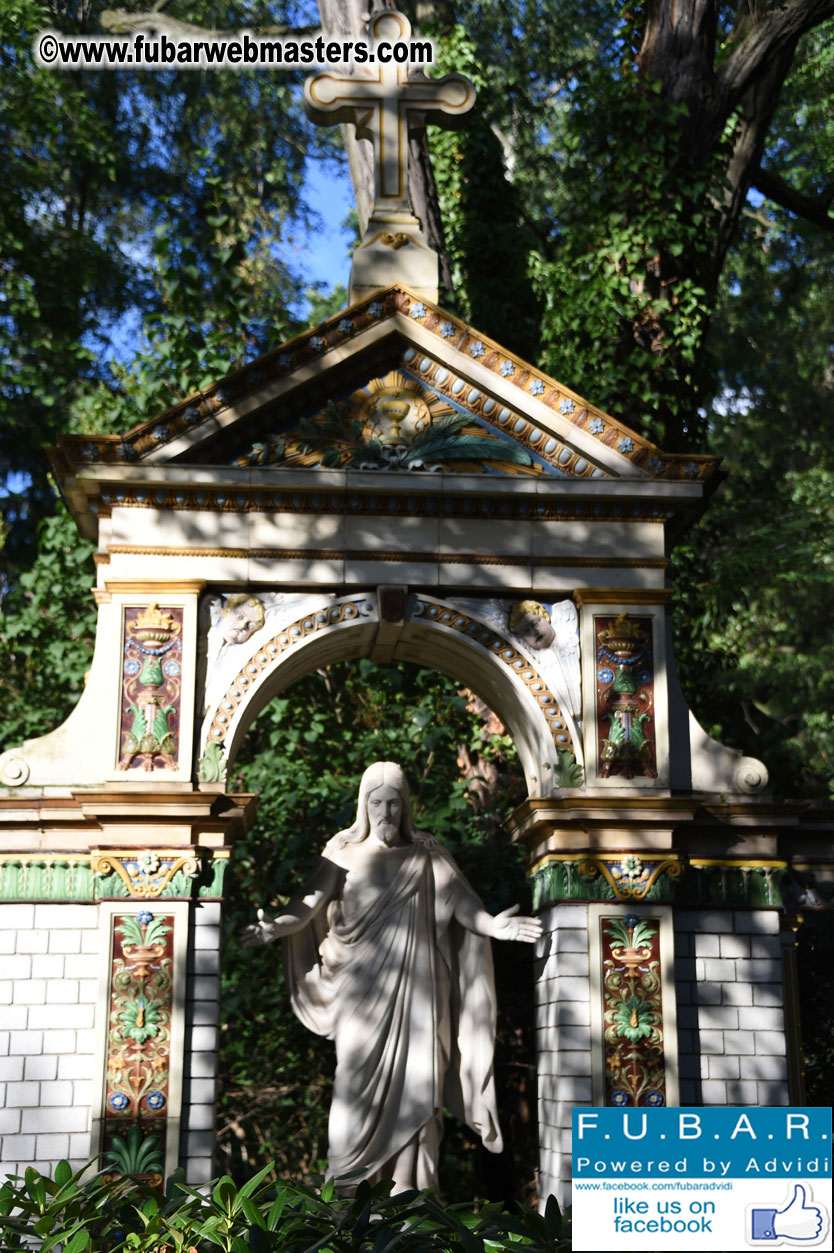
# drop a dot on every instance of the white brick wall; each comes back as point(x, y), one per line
point(201, 1039)
point(733, 1048)
point(48, 994)
point(563, 1030)
point(49, 978)
point(730, 1009)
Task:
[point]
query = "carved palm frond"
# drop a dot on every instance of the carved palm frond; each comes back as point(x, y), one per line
point(445, 440)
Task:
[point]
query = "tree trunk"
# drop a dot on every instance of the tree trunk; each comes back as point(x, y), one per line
point(678, 47)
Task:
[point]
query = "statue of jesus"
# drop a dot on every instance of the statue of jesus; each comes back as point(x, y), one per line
point(388, 955)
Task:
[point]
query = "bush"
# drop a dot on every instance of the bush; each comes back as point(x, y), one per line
point(70, 1214)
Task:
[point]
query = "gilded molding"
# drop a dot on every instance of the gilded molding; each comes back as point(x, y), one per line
point(364, 554)
point(146, 873)
point(161, 550)
point(155, 587)
point(622, 595)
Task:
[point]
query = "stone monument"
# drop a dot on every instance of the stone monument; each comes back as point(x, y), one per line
point(391, 484)
point(387, 953)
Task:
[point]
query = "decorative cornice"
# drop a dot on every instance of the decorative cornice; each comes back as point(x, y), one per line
point(396, 500)
point(607, 431)
point(334, 335)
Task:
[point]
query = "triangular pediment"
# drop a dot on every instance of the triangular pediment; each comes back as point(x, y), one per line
point(393, 384)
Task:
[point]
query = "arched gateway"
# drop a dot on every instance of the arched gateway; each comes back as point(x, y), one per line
point(392, 484)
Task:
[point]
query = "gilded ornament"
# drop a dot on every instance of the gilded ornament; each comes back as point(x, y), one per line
point(393, 423)
point(146, 874)
point(395, 240)
point(153, 625)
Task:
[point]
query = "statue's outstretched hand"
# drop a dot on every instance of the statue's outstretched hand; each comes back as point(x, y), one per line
point(508, 926)
point(261, 932)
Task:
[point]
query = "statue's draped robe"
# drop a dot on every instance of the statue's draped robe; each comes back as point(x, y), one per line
point(407, 994)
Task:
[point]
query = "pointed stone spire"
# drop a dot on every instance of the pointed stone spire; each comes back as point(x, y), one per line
point(383, 101)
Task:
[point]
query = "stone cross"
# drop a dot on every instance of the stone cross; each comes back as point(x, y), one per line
point(381, 104)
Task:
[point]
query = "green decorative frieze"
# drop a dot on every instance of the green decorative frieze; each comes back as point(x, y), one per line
point(591, 878)
point(734, 884)
point(130, 874)
point(629, 877)
point(48, 877)
point(214, 873)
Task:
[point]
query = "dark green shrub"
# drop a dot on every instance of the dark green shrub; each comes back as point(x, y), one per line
point(69, 1214)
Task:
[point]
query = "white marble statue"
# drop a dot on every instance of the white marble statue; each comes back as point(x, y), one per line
point(388, 955)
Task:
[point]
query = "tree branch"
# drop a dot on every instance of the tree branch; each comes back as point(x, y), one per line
point(120, 22)
point(815, 209)
point(781, 25)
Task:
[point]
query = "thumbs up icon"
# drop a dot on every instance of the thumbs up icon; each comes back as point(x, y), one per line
point(798, 1221)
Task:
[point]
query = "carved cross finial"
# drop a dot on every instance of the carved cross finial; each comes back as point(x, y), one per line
point(381, 100)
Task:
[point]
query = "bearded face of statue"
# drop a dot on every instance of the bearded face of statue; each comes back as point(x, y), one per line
point(385, 809)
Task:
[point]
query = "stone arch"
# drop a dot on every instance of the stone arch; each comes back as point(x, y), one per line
point(431, 632)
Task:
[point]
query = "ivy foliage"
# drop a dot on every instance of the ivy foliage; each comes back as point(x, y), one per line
point(755, 581)
point(588, 230)
point(573, 174)
point(47, 631)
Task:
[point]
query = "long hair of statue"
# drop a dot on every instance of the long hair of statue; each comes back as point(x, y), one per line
point(382, 774)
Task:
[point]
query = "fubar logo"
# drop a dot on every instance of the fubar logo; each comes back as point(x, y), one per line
point(722, 1179)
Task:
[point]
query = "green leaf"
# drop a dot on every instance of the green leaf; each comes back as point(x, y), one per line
point(79, 1241)
point(63, 1173)
point(254, 1183)
point(225, 1193)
